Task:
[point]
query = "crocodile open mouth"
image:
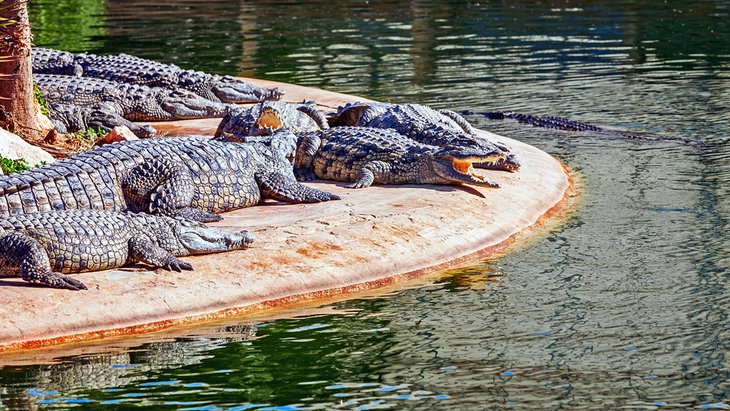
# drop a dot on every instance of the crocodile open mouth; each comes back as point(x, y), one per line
point(269, 119)
point(465, 167)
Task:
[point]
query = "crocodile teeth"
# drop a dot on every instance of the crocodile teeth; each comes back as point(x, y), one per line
point(269, 119)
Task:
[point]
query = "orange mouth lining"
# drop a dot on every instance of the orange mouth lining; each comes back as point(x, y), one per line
point(269, 119)
point(465, 167)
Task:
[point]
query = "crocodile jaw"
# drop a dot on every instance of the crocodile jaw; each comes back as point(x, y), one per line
point(190, 105)
point(199, 239)
point(461, 169)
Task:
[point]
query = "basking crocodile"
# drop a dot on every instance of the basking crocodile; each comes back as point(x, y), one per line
point(127, 69)
point(368, 156)
point(176, 176)
point(40, 246)
point(68, 118)
point(47, 61)
point(443, 128)
point(264, 118)
point(133, 102)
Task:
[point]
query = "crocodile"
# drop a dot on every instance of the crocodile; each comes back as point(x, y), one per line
point(47, 61)
point(190, 177)
point(133, 102)
point(42, 247)
point(565, 124)
point(68, 118)
point(366, 156)
point(127, 69)
point(263, 119)
point(443, 128)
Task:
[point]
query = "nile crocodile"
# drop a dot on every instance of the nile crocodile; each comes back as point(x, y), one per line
point(264, 118)
point(68, 118)
point(366, 156)
point(443, 128)
point(40, 246)
point(565, 124)
point(176, 176)
point(127, 69)
point(47, 61)
point(133, 102)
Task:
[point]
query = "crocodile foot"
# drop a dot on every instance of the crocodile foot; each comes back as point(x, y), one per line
point(58, 280)
point(174, 264)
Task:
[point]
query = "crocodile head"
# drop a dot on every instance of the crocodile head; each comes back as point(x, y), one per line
point(197, 238)
point(509, 162)
point(233, 90)
point(183, 104)
point(456, 164)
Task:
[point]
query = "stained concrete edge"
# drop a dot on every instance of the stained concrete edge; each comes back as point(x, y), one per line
point(371, 238)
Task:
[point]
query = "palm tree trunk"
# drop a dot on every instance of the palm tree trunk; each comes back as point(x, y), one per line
point(21, 111)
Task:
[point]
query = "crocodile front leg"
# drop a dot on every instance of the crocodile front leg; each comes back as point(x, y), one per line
point(374, 170)
point(281, 187)
point(143, 250)
point(163, 187)
point(20, 254)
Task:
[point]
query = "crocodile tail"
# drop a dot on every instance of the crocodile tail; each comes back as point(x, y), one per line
point(315, 115)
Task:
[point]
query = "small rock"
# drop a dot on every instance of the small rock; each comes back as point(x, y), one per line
point(14, 148)
point(118, 133)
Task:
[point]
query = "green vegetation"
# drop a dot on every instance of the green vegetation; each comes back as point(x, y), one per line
point(73, 25)
point(87, 139)
point(13, 166)
point(39, 98)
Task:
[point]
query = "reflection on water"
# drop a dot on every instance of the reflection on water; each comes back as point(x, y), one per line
point(624, 305)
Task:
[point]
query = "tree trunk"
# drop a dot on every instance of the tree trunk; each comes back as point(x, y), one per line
point(21, 111)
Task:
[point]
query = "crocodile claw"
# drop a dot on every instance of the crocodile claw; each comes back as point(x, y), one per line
point(173, 264)
point(58, 280)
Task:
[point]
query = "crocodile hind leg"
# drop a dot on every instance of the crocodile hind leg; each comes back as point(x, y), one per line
point(21, 254)
point(163, 187)
point(374, 170)
point(285, 188)
point(144, 250)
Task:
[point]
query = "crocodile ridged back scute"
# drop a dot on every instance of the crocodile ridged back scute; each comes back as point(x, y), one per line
point(86, 180)
point(345, 150)
point(124, 68)
point(79, 90)
point(79, 240)
point(48, 61)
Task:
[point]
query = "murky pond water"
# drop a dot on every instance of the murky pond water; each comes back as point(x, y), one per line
point(624, 305)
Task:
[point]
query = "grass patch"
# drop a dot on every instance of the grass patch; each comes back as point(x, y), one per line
point(39, 98)
point(13, 166)
point(87, 139)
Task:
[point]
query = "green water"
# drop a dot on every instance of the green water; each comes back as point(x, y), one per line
point(625, 305)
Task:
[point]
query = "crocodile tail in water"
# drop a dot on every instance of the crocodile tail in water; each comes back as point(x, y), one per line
point(561, 123)
point(556, 123)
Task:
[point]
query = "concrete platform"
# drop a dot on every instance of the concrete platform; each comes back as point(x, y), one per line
point(372, 238)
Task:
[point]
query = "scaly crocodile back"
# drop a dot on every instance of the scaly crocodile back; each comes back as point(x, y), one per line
point(92, 179)
point(345, 150)
point(127, 69)
point(47, 61)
